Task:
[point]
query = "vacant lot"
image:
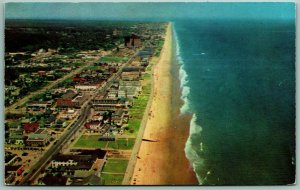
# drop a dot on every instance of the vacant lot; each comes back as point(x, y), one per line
point(112, 179)
point(122, 144)
point(90, 141)
point(114, 165)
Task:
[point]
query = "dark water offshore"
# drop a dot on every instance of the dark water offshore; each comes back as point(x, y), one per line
point(238, 81)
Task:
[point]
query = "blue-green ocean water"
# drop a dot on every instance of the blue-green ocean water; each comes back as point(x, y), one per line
point(238, 81)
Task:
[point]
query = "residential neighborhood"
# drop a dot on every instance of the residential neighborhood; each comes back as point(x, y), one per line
point(72, 116)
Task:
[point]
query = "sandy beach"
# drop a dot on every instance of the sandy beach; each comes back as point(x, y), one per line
point(162, 161)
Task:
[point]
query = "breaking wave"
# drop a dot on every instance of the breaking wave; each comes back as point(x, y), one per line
point(183, 77)
point(192, 146)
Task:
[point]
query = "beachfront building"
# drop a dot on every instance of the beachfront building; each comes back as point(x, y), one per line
point(132, 73)
point(101, 103)
point(129, 89)
point(87, 161)
point(113, 93)
point(117, 117)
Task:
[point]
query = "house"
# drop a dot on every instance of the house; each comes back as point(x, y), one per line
point(113, 93)
point(65, 103)
point(79, 79)
point(16, 136)
point(16, 130)
point(17, 139)
point(93, 125)
point(61, 123)
point(97, 117)
point(39, 139)
point(69, 114)
point(117, 117)
point(38, 105)
point(30, 127)
point(50, 120)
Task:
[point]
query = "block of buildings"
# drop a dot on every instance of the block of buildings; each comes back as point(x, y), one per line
point(38, 139)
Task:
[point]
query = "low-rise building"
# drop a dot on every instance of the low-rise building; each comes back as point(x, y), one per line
point(69, 114)
point(85, 161)
point(117, 117)
point(30, 127)
point(100, 103)
point(38, 105)
point(131, 73)
point(38, 139)
point(79, 100)
point(86, 87)
point(17, 139)
point(65, 104)
point(113, 93)
point(93, 126)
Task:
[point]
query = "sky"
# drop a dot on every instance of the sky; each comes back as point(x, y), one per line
point(149, 11)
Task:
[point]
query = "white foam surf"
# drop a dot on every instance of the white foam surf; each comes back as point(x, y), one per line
point(185, 89)
point(190, 147)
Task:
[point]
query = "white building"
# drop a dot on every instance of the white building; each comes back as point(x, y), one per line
point(90, 87)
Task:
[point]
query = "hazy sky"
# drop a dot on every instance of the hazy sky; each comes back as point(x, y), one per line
point(165, 11)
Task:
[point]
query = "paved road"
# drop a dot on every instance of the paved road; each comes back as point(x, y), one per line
point(35, 170)
point(12, 108)
point(85, 110)
point(136, 148)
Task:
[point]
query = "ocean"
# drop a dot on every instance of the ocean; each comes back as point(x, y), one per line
point(238, 83)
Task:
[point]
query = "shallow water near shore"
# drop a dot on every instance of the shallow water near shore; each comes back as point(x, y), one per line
point(238, 82)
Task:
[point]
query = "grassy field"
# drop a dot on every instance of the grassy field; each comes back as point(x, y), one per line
point(137, 111)
point(115, 165)
point(121, 144)
point(146, 76)
point(90, 141)
point(113, 59)
point(112, 179)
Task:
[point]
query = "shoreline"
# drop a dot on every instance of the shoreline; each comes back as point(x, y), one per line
point(163, 161)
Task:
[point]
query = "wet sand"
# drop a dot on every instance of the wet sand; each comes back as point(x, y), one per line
point(162, 161)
